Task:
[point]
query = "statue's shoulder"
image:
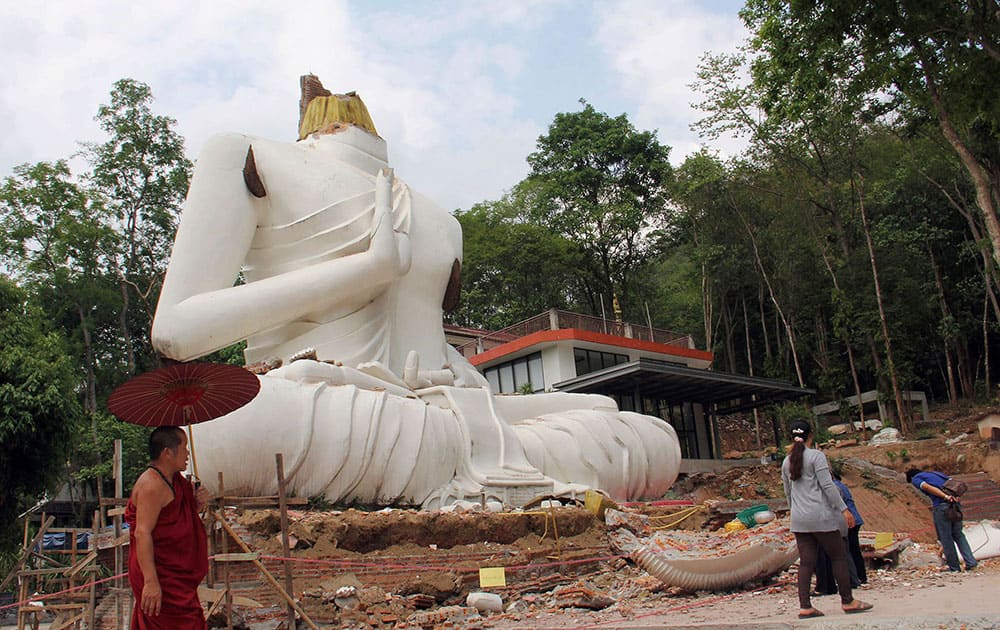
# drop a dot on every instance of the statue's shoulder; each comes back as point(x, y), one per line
point(427, 208)
point(225, 148)
point(237, 145)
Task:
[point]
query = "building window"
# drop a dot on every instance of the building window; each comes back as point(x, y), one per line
point(517, 376)
point(592, 360)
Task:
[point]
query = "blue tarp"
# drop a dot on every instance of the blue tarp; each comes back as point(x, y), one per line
point(60, 540)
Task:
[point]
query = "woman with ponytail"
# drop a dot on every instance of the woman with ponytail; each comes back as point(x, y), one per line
point(820, 519)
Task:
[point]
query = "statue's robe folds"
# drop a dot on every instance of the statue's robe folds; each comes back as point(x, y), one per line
point(180, 552)
point(352, 444)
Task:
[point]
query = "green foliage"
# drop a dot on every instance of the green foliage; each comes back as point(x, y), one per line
point(90, 253)
point(838, 117)
point(512, 269)
point(38, 406)
point(786, 413)
point(91, 458)
point(141, 174)
point(231, 355)
point(602, 185)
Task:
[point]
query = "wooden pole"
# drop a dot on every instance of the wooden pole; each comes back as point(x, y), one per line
point(279, 464)
point(225, 550)
point(119, 554)
point(92, 548)
point(24, 611)
point(28, 546)
point(267, 574)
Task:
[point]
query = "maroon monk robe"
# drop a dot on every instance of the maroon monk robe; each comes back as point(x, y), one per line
point(180, 550)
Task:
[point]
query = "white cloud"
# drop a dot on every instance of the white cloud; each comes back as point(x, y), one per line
point(656, 47)
point(447, 83)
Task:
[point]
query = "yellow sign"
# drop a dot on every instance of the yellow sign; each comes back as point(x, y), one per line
point(883, 540)
point(492, 576)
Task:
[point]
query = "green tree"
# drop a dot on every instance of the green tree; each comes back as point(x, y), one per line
point(54, 238)
point(602, 185)
point(55, 241)
point(142, 174)
point(926, 60)
point(512, 269)
point(92, 255)
point(38, 404)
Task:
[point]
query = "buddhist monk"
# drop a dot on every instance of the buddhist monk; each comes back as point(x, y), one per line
point(169, 555)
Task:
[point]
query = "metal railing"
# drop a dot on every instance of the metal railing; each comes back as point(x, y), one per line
point(556, 319)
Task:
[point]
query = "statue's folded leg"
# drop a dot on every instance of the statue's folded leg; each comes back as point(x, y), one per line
point(358, 444)
point(628, 455)
point(340, 442)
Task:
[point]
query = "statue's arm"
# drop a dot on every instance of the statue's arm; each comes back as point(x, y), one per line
point(200, 310)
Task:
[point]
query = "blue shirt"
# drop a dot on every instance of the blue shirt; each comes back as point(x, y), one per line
point(931, 478)
point(845, 492)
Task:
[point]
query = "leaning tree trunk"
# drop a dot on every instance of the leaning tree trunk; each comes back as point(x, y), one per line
point(727, 330)
point(965, 376)
point(945, 316)
point(774, 300)
point(753, 397)
point(763, 323)
point(986, 190)
point(706, 307)
point(846, 338)
point(905, 424)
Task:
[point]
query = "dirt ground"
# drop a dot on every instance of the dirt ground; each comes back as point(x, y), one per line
point(450, 546)
point(913, 596)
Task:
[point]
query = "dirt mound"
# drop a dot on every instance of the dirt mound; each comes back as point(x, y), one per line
point(365, 532)
point(874, 473)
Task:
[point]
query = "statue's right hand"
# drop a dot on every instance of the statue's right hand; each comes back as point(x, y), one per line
point(386, 247)
point(152, 598)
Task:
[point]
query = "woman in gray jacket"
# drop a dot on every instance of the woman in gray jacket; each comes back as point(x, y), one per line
point(820, 518)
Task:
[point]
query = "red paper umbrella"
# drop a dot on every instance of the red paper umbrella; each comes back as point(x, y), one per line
point(185, 393)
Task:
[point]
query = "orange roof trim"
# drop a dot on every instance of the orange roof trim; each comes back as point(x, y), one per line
point(574, 334)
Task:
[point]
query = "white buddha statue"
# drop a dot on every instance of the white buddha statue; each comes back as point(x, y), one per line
point(346, 266)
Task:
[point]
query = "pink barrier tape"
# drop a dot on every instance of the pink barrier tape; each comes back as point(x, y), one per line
point(39, 598)
point(662, 503)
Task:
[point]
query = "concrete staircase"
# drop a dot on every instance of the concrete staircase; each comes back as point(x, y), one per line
point(982, 500)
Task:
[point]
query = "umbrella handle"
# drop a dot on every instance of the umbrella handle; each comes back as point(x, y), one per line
point(194, 458)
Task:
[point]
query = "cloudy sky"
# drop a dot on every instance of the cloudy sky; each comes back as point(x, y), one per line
point(461, 89)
